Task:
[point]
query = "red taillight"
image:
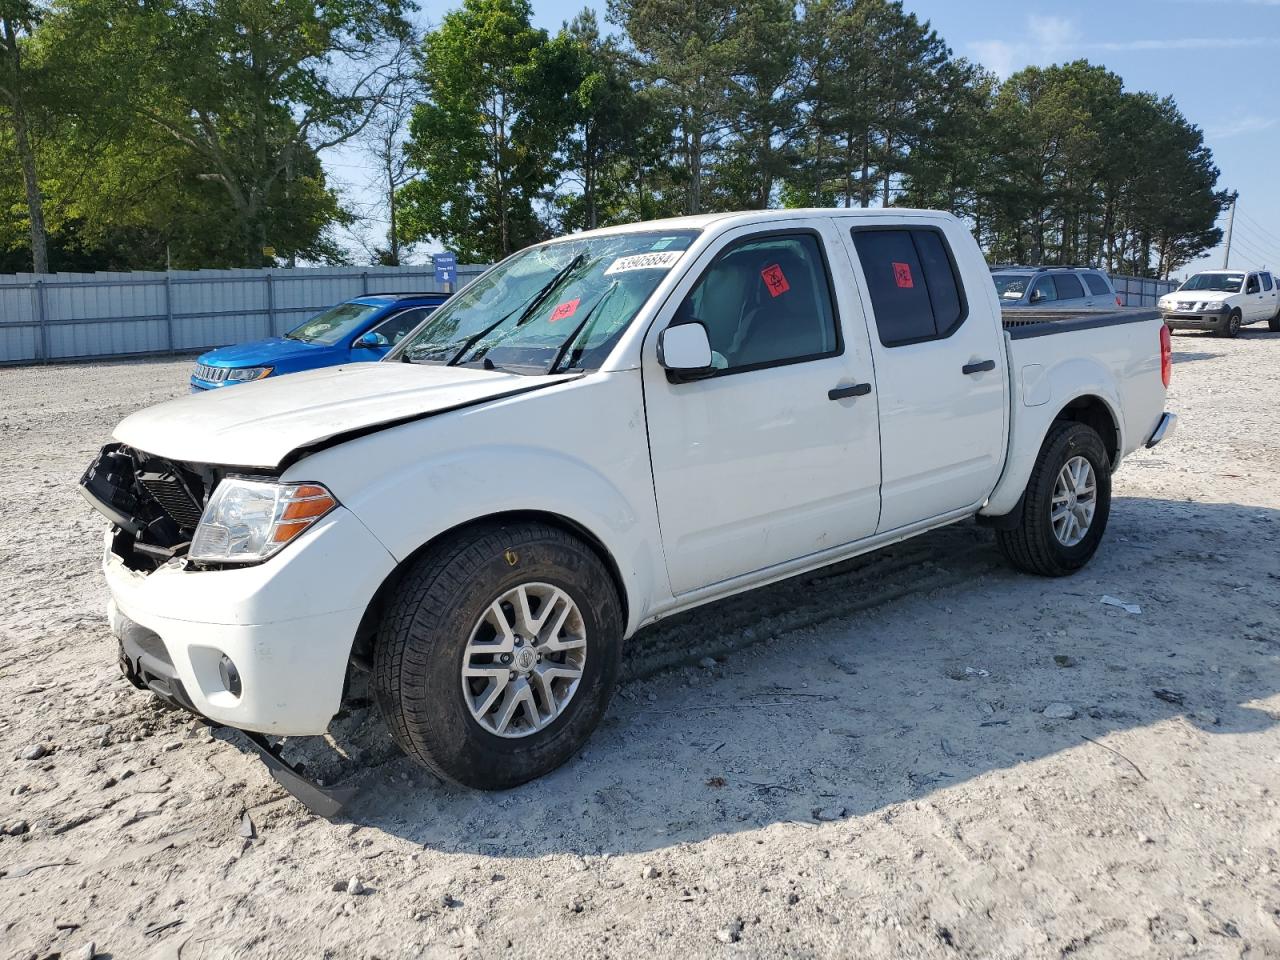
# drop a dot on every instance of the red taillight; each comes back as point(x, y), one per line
point(1166, 355)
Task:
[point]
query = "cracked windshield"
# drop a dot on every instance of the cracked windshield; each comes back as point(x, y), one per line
point(552, 308)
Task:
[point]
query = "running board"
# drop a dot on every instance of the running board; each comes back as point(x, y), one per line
point(325, 802)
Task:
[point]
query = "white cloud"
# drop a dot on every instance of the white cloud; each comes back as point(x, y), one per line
point(1245, 124)
point(1050, 39)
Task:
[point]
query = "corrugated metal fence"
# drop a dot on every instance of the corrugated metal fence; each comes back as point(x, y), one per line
point(1140, 291)
point(73, 316)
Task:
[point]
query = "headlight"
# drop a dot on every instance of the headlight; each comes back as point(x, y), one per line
point(244, 374)
point(247, 521)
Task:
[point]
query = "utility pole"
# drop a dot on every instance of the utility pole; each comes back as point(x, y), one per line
point(1231, 219)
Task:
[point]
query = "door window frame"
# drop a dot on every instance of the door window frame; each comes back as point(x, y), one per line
point(831, 296)
point(961, 293)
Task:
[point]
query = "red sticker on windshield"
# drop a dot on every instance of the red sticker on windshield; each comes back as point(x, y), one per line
point(902, 275)
point(566, 309)
point(775, 280)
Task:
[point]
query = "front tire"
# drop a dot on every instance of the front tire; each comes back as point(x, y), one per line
point(498, 654)
point(1230, 327)
point(1066, 505)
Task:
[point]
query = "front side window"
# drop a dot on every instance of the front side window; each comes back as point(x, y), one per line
point(335, 324)
point(1069, 287)
point(554, 307)
point(912, 281)
point(764, 301)
point(395, 328)
point(1251, 285)
point(1097, 286)
point(1045, 291)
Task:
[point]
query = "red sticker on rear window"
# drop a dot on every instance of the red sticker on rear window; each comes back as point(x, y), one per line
point(775, 280)
point(566, 309)
point(902, 275)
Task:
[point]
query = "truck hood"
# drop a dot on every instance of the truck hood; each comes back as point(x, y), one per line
point(1197, 296)
point(263, 424)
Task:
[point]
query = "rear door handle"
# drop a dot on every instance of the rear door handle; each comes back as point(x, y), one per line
point(981, 366)
point(856, 390)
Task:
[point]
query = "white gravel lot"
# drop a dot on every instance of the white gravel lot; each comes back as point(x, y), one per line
point(867, 771)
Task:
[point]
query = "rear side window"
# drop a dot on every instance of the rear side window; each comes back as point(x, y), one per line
point(1096, 284)
point(1266, 281)
point(1069, 287)
point(914, 288)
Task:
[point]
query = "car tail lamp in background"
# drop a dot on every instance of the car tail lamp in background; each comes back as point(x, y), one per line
point(1119, 302)
point(1166, 354)
point(246, 521)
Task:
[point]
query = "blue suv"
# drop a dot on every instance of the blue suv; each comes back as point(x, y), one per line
point(361, 329)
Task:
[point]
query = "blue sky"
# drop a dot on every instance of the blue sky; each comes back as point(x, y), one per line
point(1219, 59)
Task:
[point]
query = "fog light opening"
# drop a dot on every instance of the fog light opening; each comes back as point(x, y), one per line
point(230, 676)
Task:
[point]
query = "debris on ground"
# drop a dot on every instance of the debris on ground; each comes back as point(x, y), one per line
point(1127, 607)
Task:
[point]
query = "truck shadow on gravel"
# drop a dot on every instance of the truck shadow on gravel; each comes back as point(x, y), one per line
point(882, 680)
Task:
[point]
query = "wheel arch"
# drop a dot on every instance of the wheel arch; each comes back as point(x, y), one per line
point(1090, 407)
point(1093, 411)
point(366, 633)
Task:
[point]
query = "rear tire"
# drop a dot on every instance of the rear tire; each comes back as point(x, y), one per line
point(445, 704)
point(1050, 548)
point(1274, 323)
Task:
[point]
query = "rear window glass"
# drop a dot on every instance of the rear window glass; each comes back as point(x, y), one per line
point(913, 286)
point(1069, 287)
point(1096, 284)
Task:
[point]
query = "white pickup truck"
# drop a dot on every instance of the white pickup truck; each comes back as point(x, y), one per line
point(597, 433)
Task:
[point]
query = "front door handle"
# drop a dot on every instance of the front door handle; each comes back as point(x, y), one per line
point(856, 390)
point(981, 366)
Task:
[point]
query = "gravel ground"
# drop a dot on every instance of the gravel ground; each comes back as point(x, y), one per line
point(919, 753)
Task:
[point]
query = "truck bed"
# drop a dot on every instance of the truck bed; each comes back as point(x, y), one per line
point(1023, 323)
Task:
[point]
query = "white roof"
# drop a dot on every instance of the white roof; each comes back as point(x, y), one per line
point(701, 221)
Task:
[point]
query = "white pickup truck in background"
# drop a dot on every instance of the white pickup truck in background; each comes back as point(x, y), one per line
point(1223, 301)
point(599, 432)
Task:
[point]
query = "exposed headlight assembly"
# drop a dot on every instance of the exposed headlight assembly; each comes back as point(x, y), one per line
point(247, 521)
point(245, 374)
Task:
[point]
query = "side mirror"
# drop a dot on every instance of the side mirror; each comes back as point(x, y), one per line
point(1037, 296)
point(372, 341)
point(684, 350)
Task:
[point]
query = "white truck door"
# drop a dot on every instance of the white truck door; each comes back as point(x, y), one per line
point(1256, 305)
point(776, 455)
point(940, 368)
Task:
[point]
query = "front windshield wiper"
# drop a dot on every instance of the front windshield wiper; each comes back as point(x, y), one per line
point(525, 314)
point(570, 340)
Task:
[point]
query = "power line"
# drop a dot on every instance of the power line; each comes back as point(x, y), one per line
point(1259, 227)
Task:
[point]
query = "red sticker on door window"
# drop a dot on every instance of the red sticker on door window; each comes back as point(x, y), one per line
point(775, 280)
point(566, 309)
point(902, 275)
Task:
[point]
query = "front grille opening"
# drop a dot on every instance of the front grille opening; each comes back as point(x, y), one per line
point(155, 504)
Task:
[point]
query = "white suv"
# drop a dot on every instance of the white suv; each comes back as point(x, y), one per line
point(1223, 301)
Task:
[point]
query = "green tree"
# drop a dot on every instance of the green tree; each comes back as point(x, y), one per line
point(481, 165)
point(252, 90)
point(685, 52)
point(593, 122)
point(19, 97)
